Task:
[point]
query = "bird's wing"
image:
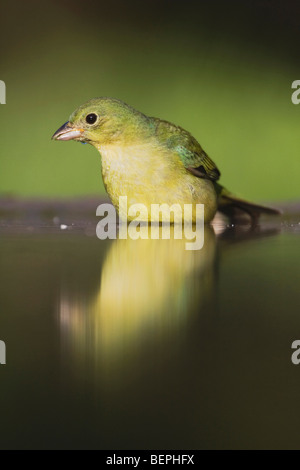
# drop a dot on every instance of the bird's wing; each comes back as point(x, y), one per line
point(194, 158)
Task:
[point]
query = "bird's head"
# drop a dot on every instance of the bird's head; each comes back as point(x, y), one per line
point(103, 121)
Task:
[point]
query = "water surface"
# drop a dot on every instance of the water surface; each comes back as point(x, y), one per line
point(143, 344)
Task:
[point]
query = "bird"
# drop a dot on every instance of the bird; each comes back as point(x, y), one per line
point(152, 161)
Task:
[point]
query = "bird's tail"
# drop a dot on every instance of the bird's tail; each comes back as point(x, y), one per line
point(232, 206)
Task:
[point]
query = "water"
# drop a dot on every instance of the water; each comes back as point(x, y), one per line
point(142, 344)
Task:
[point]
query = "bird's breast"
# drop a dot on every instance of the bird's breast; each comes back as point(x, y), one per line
point(149, 175)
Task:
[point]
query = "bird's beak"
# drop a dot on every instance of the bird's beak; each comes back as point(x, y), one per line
point(67, 132)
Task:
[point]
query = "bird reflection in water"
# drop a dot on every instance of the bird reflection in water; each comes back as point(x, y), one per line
point(149, 291)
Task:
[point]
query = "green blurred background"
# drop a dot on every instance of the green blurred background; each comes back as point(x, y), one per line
point(222, 70)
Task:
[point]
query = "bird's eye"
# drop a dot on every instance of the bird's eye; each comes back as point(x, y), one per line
point(91, 118)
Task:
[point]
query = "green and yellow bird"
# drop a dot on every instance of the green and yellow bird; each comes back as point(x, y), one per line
point(151, 161)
